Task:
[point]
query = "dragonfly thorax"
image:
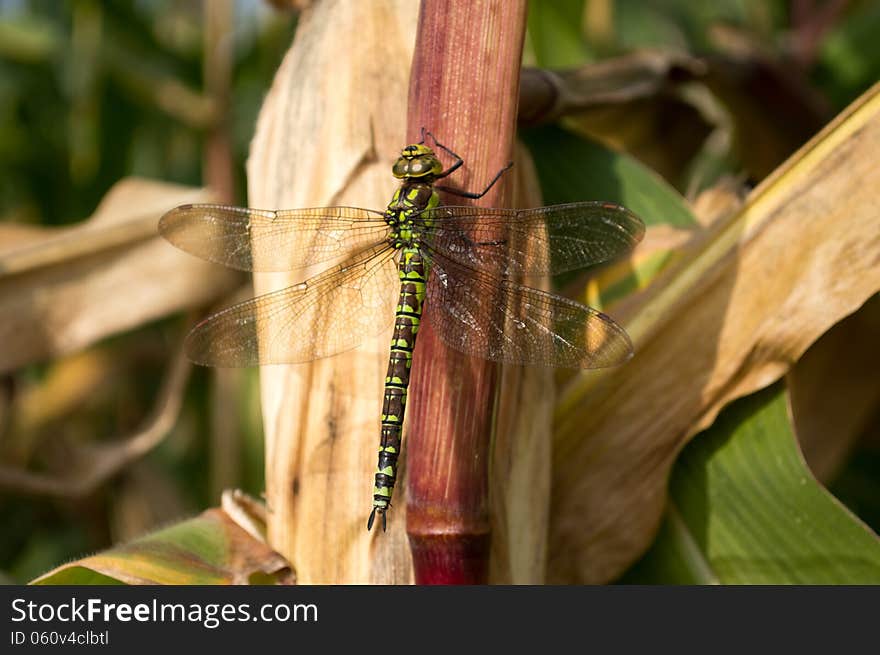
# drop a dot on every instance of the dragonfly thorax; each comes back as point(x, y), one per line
point(411, 198)
point(406, 229)
point(405, 212)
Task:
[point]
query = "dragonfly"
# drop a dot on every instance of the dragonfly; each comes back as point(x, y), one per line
point(463, 263)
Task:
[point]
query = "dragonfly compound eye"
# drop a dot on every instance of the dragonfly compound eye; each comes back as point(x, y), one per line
point(418, 166)
point(400, 168)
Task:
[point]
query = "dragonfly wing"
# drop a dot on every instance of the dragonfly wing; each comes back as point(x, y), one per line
point(325, 315)
point(500, 320)
point(263, 240)
point(545, 240)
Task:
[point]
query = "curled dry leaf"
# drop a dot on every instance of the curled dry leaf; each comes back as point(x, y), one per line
point(208, 549)
point(63, 289)
point(546, 95)
point(642, 102)
point(772, 106)
point(834, 392)
point(801, 254)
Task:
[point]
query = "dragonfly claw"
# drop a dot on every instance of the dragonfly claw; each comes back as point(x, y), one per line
point(373, 517)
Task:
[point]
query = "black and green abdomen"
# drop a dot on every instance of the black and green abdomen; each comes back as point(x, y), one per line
point(413, 284)
point(409, 200)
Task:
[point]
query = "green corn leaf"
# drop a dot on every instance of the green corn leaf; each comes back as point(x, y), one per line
point(745, 509)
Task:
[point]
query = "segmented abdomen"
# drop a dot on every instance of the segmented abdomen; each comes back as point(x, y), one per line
point(413, 282)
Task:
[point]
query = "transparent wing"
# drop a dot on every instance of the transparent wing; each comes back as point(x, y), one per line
point(325, 315)
point(263, 240)
point(497, 319)
point(545, 240)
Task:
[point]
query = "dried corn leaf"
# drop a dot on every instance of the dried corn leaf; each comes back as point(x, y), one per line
point(803, 253)
point(63, 289)
point(835, 392)
point(326, 134)
point(635, 102)
point(208, 549)
point(521, 453)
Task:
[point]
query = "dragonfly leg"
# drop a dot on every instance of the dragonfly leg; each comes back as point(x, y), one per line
point(458, 163)
point(470, 194)
point(458, 160)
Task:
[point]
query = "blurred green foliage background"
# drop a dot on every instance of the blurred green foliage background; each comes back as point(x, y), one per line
point(91, 92)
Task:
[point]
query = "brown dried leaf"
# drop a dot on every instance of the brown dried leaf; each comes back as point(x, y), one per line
point(545, 95)
point(634, 102)
point(773, 107)
point(63, 289)
point(802, 253)
point(834, 390)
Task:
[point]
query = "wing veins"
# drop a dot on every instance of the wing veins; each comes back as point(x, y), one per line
point(294, 324)
point(266, 240)
point(514, 242)
point(559, 331)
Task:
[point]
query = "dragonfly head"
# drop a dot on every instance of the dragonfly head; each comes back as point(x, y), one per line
point(416, 161)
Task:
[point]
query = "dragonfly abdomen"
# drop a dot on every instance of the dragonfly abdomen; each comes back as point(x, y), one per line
point(413, 284)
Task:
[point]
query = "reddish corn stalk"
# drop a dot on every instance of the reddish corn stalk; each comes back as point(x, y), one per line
point(463, 88)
